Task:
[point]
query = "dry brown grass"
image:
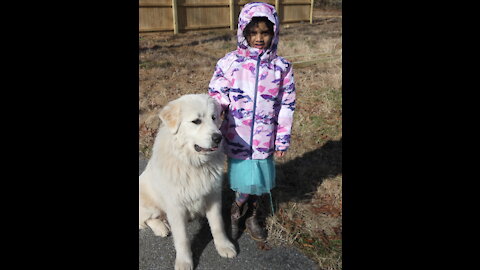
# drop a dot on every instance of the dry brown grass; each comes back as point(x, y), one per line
point(308, 198)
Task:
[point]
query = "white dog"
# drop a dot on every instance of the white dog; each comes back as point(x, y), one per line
point(183, 177)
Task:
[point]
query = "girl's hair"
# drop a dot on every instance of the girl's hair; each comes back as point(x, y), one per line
point(254, 22)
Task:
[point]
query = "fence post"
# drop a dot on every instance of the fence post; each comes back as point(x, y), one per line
point(311, 11)
point(175, 16)
point(277, 7)
point(232, 14)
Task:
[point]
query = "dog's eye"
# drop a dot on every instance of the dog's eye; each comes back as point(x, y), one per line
point(213, 117)
point(197, 122)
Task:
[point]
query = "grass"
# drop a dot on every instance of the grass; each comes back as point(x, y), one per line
point(308, 197)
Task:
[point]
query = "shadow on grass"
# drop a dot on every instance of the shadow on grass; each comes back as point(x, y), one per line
point(298, 179)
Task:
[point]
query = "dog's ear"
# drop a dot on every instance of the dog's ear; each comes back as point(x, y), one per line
point(170, 115)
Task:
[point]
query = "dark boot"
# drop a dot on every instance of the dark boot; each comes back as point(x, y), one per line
point(236, 214)
point(254, 229)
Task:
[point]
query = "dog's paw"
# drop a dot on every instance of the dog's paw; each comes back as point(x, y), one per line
point(162, 231)
point(158, 227)
point(226, 249)
point(183, 265)
point(141, 226)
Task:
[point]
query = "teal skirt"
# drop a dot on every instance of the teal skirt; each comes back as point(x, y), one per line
point(256, 176)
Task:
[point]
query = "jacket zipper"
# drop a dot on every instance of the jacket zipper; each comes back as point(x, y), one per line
point(254, 104)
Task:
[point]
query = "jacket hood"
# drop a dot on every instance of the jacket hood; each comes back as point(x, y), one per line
point(257, 9)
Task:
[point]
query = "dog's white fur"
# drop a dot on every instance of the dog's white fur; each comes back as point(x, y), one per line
point(180, 183)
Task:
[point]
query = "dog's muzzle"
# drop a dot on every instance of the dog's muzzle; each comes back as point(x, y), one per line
point(216, 138)
point(201, 149)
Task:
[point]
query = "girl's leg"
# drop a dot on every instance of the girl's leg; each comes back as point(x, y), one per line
point(241, 198)
point(253, 227)
point(253, 199)
point(238, 210)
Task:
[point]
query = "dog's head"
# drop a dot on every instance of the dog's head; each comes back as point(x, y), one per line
point(194, 120)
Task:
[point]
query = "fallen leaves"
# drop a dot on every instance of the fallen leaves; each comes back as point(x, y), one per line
point(327, 205)
point(147, 131)
point(261, 245)
point(327, 210)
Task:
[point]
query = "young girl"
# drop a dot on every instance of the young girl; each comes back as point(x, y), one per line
point(257, 92)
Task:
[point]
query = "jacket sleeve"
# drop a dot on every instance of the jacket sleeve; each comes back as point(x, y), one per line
point(287, 108)
point(219, 87)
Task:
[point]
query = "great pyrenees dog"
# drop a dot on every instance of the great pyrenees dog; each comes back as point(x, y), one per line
point(183, 178)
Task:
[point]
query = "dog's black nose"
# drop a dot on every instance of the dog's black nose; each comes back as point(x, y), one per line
point(217, 138)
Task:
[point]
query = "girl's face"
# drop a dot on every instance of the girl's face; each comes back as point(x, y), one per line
point(260, 36)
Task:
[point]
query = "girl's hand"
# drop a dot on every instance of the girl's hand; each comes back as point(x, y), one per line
point(279, 153)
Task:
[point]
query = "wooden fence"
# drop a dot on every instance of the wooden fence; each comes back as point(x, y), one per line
point(181, 15)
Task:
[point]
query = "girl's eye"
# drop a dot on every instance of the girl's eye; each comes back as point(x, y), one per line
point(197, 122)
point(213, 117)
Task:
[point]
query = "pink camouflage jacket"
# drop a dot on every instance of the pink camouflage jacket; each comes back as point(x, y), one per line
point(257, 89)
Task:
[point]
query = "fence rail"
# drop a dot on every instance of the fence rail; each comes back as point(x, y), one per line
point(179, 15)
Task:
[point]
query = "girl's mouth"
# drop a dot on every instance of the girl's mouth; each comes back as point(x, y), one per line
point(259, 45)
